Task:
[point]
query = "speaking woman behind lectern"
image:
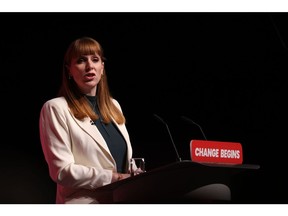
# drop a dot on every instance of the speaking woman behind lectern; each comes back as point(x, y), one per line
point(82, 131)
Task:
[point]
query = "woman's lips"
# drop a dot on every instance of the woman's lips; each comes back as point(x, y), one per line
point(89, 76)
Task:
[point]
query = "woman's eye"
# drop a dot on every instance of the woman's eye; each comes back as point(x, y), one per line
point(95, 59)
point(80, 60)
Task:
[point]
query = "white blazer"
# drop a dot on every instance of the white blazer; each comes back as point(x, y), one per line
point(77, 155)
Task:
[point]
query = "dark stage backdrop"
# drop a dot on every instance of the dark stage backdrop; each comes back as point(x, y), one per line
point(225, 71)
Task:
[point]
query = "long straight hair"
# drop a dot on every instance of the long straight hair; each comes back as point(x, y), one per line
point(77, 101)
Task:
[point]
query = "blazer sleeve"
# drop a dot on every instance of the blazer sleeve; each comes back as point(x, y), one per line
point(55, 141)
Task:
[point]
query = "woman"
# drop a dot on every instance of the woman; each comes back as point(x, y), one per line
point(82, 131)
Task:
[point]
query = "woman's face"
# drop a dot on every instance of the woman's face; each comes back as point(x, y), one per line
point(86, 71)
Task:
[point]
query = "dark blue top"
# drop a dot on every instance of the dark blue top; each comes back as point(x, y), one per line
point(113, 137)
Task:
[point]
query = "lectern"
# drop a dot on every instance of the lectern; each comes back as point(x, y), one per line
point(179, 182)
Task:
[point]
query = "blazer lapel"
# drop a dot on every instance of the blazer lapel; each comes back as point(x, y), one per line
point(88, 126)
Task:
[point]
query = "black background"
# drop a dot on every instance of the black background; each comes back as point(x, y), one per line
point(225, 71)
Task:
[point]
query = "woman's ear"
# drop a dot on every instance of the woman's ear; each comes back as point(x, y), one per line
point(102, 68)
point(68, 71)
point(66, 67)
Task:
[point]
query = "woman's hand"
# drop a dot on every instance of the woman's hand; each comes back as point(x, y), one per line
point(119, 176)
point(138, 171)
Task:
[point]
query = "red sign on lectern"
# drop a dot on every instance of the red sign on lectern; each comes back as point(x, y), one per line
point(216, 152)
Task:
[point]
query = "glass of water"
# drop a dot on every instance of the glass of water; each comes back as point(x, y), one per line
point(137, 166)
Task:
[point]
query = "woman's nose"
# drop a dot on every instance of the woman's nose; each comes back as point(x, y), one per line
point(89, 65)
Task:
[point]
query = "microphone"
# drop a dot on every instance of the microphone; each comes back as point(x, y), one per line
point(192, 122)
point(161, 120)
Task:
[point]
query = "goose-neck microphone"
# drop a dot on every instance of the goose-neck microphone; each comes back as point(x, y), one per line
point(162, 121)
point(192, 122)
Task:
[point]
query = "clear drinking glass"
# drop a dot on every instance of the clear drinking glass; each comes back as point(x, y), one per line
point(137, 166)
